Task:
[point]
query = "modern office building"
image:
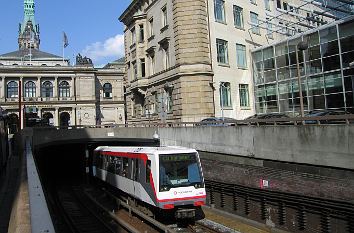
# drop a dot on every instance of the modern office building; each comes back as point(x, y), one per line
point(49, 88)
point(325, 66)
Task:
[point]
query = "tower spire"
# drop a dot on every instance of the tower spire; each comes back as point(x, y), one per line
point(28, 31)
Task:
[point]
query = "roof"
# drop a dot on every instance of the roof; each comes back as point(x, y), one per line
point(36, 55)
point(114, 64)
point(148, 150)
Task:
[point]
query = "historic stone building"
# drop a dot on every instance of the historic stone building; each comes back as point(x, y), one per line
point(168, 64)
point(50, 89)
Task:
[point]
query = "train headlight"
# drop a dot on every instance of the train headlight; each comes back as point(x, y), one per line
point(198, 185)
point(164, 188)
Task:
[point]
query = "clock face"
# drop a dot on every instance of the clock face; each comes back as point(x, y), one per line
point(86, 115)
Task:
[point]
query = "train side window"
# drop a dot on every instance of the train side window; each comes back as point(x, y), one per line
point(104, 163)
point(136, 169)
point(125, 171)
point(118, 165)
point(148, 171)
point(110, 164)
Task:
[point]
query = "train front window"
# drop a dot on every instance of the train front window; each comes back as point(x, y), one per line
point(178, 170)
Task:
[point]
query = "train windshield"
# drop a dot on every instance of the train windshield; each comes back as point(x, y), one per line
point(178, 170)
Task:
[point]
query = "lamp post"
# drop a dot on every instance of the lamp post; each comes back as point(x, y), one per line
point(302, 45)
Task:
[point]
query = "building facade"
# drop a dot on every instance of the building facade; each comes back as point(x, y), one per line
point(168, 64)
point(206, 43)
point(326, 70)
point(232, 36)
point(45, 86)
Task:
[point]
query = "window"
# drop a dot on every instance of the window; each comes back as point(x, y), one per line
point(141, 33)
point(269, 29)
point(219, 10)
point(64, 89)
point(238, 16)
point(267, 5)
point(152, 64)
point(142, 67)
point(241, 56)
point(166, 58)
point(285, 6)
point(151, 27)
point(133, 36)
point(107, 90)
point(47, 89)
point(222, 54)
point(148, 171)
point(30, 89)
point(244, 95)
point(12, 89)
point(169, 101)
point(255, 23)
point(164, 16)
point(225, 94)
point(135, 71)
point(279, 4)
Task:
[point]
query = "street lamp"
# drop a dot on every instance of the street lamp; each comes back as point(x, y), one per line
point(302, 45)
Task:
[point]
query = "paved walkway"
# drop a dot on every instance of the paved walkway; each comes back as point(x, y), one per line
point(237, 223)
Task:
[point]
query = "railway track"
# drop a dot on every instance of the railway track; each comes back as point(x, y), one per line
point(289, 212)
point(78, 214)
point(93, 209)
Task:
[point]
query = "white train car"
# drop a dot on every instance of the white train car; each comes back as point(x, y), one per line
point(165, 178)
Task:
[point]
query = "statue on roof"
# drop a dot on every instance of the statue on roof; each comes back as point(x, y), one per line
point(83, 60)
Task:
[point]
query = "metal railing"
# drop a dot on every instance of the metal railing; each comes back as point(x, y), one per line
point(306, 121)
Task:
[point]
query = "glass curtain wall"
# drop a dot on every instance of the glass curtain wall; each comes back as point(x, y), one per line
point(326, 75)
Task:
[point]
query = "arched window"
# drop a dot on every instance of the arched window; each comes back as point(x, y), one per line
point(107, 90)
point(30, 89)
point(47, 89)
point(64, 89)
point(12, 89)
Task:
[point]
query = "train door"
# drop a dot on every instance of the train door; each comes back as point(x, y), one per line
point(136, 178)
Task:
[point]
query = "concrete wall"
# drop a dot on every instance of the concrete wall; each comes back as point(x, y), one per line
point(328, 145)
point(43, 136)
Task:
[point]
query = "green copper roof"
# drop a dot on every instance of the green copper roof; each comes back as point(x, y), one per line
point(28, 14)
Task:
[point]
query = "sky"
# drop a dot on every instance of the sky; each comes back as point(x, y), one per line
point(92, 27)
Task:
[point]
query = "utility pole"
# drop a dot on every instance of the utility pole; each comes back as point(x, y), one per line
point(302, 45)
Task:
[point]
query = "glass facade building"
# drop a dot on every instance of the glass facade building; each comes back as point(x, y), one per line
point(327, 79)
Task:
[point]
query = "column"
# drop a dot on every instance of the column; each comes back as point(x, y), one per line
point(72, 86)
point(39, 112)
point(38, 88)
point(56, 117)
point(3, 88)
point(73, 114)
point(55, 87)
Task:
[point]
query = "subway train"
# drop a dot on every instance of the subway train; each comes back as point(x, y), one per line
point(162, 179)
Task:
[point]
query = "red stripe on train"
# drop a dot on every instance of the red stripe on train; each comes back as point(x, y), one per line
point(127, 155)
point(182, 198)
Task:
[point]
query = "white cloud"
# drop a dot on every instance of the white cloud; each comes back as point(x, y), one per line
point(111, 48)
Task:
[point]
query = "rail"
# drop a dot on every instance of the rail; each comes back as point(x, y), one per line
point(308, 121)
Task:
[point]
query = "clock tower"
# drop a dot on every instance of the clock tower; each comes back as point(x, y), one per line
point(28, 32)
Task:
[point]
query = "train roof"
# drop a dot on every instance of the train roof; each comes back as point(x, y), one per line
point(147, 150)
